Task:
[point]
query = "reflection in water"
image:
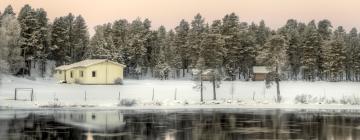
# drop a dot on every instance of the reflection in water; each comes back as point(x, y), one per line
point(180, 125)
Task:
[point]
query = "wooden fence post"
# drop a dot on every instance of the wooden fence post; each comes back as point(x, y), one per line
point(175, 93)
point(15, 94)
point(85, 95)
point(153, 94)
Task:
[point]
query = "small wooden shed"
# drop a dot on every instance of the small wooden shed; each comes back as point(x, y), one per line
point(260, 73)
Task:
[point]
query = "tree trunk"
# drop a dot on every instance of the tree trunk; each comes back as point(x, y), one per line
point(201, 87)
point(183, 72)
point(278, 90)
point(214, 88)
point(277, 79)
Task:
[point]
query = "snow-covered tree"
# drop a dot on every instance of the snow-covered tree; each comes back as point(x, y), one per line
point(28, 34)
point(180, 40)
point(136, 48)
point(335, 57)
point(293, 51)
point(59, 37)
point(311, 46)
point(263, 33)
point(352, 50)
point(324, 29)
point(273, 56)
point(80, 38)
point(8, 11)
point(198, 74)
point(194, 38)
point(69, 39)
point(212, 51)
point(10, 48)
point(230, 31)
point(102, 45)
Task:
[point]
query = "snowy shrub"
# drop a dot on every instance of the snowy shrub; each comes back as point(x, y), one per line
point(351, 100)
point(119, 81)
point(31, 78)
point(331, 101)
point(127, 102)
point(305, 99)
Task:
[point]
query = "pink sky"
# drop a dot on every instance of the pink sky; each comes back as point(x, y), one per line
point(170, 12)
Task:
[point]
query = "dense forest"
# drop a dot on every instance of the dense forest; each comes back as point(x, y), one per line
point(229, 47)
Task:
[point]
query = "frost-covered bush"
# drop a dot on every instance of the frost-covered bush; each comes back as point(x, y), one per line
point(119, 81)
point(352, 100)
point(127, 102)
point(305, 99)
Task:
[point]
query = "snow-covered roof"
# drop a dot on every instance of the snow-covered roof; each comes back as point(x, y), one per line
point(86, 63)
point(260, 69)
point(63, 67)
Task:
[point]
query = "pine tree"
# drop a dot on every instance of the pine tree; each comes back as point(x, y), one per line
point(120, 30)
point(102, 45)
point(69, 39)
point(263, 33)
point(274, 57)
point(247, 54)
point(198, 27)
point(292, 36)
point(42, 38)
point(80, 38)
point(310, 46)
point(159, 54)
point(28, 34)
point(136, 48)
point(230, 31)
point(335, 57)
point(352, 55)
point(8, 11)
point(10, 48)
point(180, 40)
point(324, 29)
point(59, 39)
point(212, 48)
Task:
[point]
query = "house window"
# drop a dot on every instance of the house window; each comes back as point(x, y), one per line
point(93, 73)
point(71, 74)
point(81, 73)
point(60, 71)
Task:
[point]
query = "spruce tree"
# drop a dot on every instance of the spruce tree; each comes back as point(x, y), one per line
point(230, 31)
point(273, 56)
point(310, 47)
point(194, 38)
point(180, 40)
point(80, 38)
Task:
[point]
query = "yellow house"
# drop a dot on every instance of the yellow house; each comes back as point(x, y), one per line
point(91, 71)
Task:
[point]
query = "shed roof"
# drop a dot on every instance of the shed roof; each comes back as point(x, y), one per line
point(86, 63)
point(260, 69)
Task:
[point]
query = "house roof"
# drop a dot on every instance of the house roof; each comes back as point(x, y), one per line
point(86, 63)
point(260, 69)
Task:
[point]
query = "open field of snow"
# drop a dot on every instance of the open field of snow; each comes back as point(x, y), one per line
point(235, 94)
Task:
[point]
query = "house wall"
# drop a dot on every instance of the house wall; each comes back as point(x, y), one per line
point(106, 73)
point(259, 77)
point(59, 76)
point(70, 79)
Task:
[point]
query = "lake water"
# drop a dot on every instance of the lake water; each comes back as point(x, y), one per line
point(209, 124)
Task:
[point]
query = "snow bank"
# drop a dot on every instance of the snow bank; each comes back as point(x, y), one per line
point(162, 94)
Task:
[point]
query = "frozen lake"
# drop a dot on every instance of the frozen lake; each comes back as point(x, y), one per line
point(208, 124)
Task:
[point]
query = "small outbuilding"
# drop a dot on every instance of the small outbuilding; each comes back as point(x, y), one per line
point(259, 73)
point(91, 71)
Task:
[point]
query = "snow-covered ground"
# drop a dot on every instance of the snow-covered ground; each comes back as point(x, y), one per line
point(140, 93)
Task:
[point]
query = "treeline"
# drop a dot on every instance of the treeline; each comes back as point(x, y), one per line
point(313, 51)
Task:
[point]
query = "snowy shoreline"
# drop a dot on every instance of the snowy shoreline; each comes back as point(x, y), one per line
point(32, 106)
point(178, 94)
